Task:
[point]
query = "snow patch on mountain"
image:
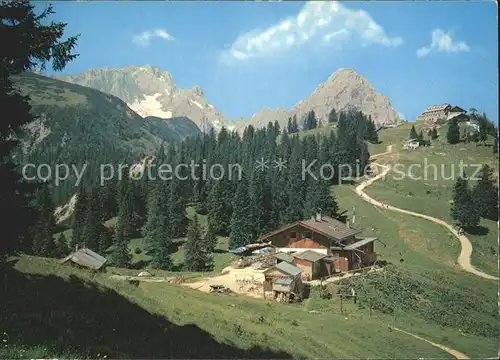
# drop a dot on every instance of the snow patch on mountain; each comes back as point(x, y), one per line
point(150, 106)
point(196, 103)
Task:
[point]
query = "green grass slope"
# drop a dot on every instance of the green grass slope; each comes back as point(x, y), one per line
point(154, 320)
point(434, 170)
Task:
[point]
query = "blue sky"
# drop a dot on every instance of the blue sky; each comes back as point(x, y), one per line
point(250, 55)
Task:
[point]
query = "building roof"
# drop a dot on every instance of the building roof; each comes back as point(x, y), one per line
point(327, 226)
point(310, 255)
point(86, 257)
point(359, 243)
point(330, 227)
point(284, 257)
point(288, 269)
point(436, 107)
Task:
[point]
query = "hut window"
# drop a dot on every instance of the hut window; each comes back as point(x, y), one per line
point(293, 235)
point(308, 235)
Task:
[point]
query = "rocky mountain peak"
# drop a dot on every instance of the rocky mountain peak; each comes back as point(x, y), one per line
point(149, 91)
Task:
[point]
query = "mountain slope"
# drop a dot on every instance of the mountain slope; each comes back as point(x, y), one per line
point(76, 124)
point(345, 89)
point(152, 92)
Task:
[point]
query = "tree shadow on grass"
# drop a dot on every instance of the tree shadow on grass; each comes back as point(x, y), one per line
point(477, 230)
point(91, 319)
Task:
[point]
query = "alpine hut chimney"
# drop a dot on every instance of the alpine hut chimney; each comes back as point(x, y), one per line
point(318, 215)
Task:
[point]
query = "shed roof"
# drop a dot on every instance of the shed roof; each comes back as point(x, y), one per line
point(284, 257)
point(359, 243)
point(86, 257)
point(287, 268)
point(310, 255)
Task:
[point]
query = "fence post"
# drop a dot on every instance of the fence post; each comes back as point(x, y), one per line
point(341, 304)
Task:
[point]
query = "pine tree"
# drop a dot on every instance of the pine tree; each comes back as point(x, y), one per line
point(260, 202)
point(177, 210)
point(37, 42)
point(485, 194)
point(289, 126)
point(210, 240)
point(463, 209)
point(126, 215)
point(93, 224)
point(43, 237)
point(196, 256)
point(156, 231)
point(105, 240)
point(79, 217)
point(219, 211)
point(420, 136)
point(295, 125)
point(483, 128)
point(413, 133)
point(453, 134)
point(242, 226)
point(121, 256)
point(62, 246)
point(434, 134)
point(332, 116)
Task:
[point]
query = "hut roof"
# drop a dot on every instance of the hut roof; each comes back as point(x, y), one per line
point(86, 257)
point(310, 255)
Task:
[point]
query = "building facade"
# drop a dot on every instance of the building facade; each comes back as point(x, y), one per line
point(441, 113)
point(337, 244)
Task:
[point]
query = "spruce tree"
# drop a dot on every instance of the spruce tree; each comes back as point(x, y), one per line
point(332, 116)
point(434, 134)
point(93, 223)
point(413, 133)
point(126, 215)
point(485, 194)
point(453, 134)
point(260, 202)
point(295, 125)
point(43, 237)
point(420, 136)
point(242, 226)
point(210, 240)
point(219, 211)
point(121, 256)
point(463, 209)
point(196, 255)
point(62, 246)
point(289, 126)
point(157, 231)
point(177, 210)
point(35, 42)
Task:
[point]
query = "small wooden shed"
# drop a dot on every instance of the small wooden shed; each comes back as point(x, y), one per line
point(284, 280)
point(311, 263)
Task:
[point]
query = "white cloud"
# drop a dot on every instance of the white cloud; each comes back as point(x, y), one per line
point(145, 37)
point(442, 42)
point(327, 22)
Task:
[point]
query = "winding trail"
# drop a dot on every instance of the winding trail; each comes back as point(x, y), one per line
point(466, 247)
point(453, 352)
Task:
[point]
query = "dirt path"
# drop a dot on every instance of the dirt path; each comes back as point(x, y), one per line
point(453, 352)
point(466, 246)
